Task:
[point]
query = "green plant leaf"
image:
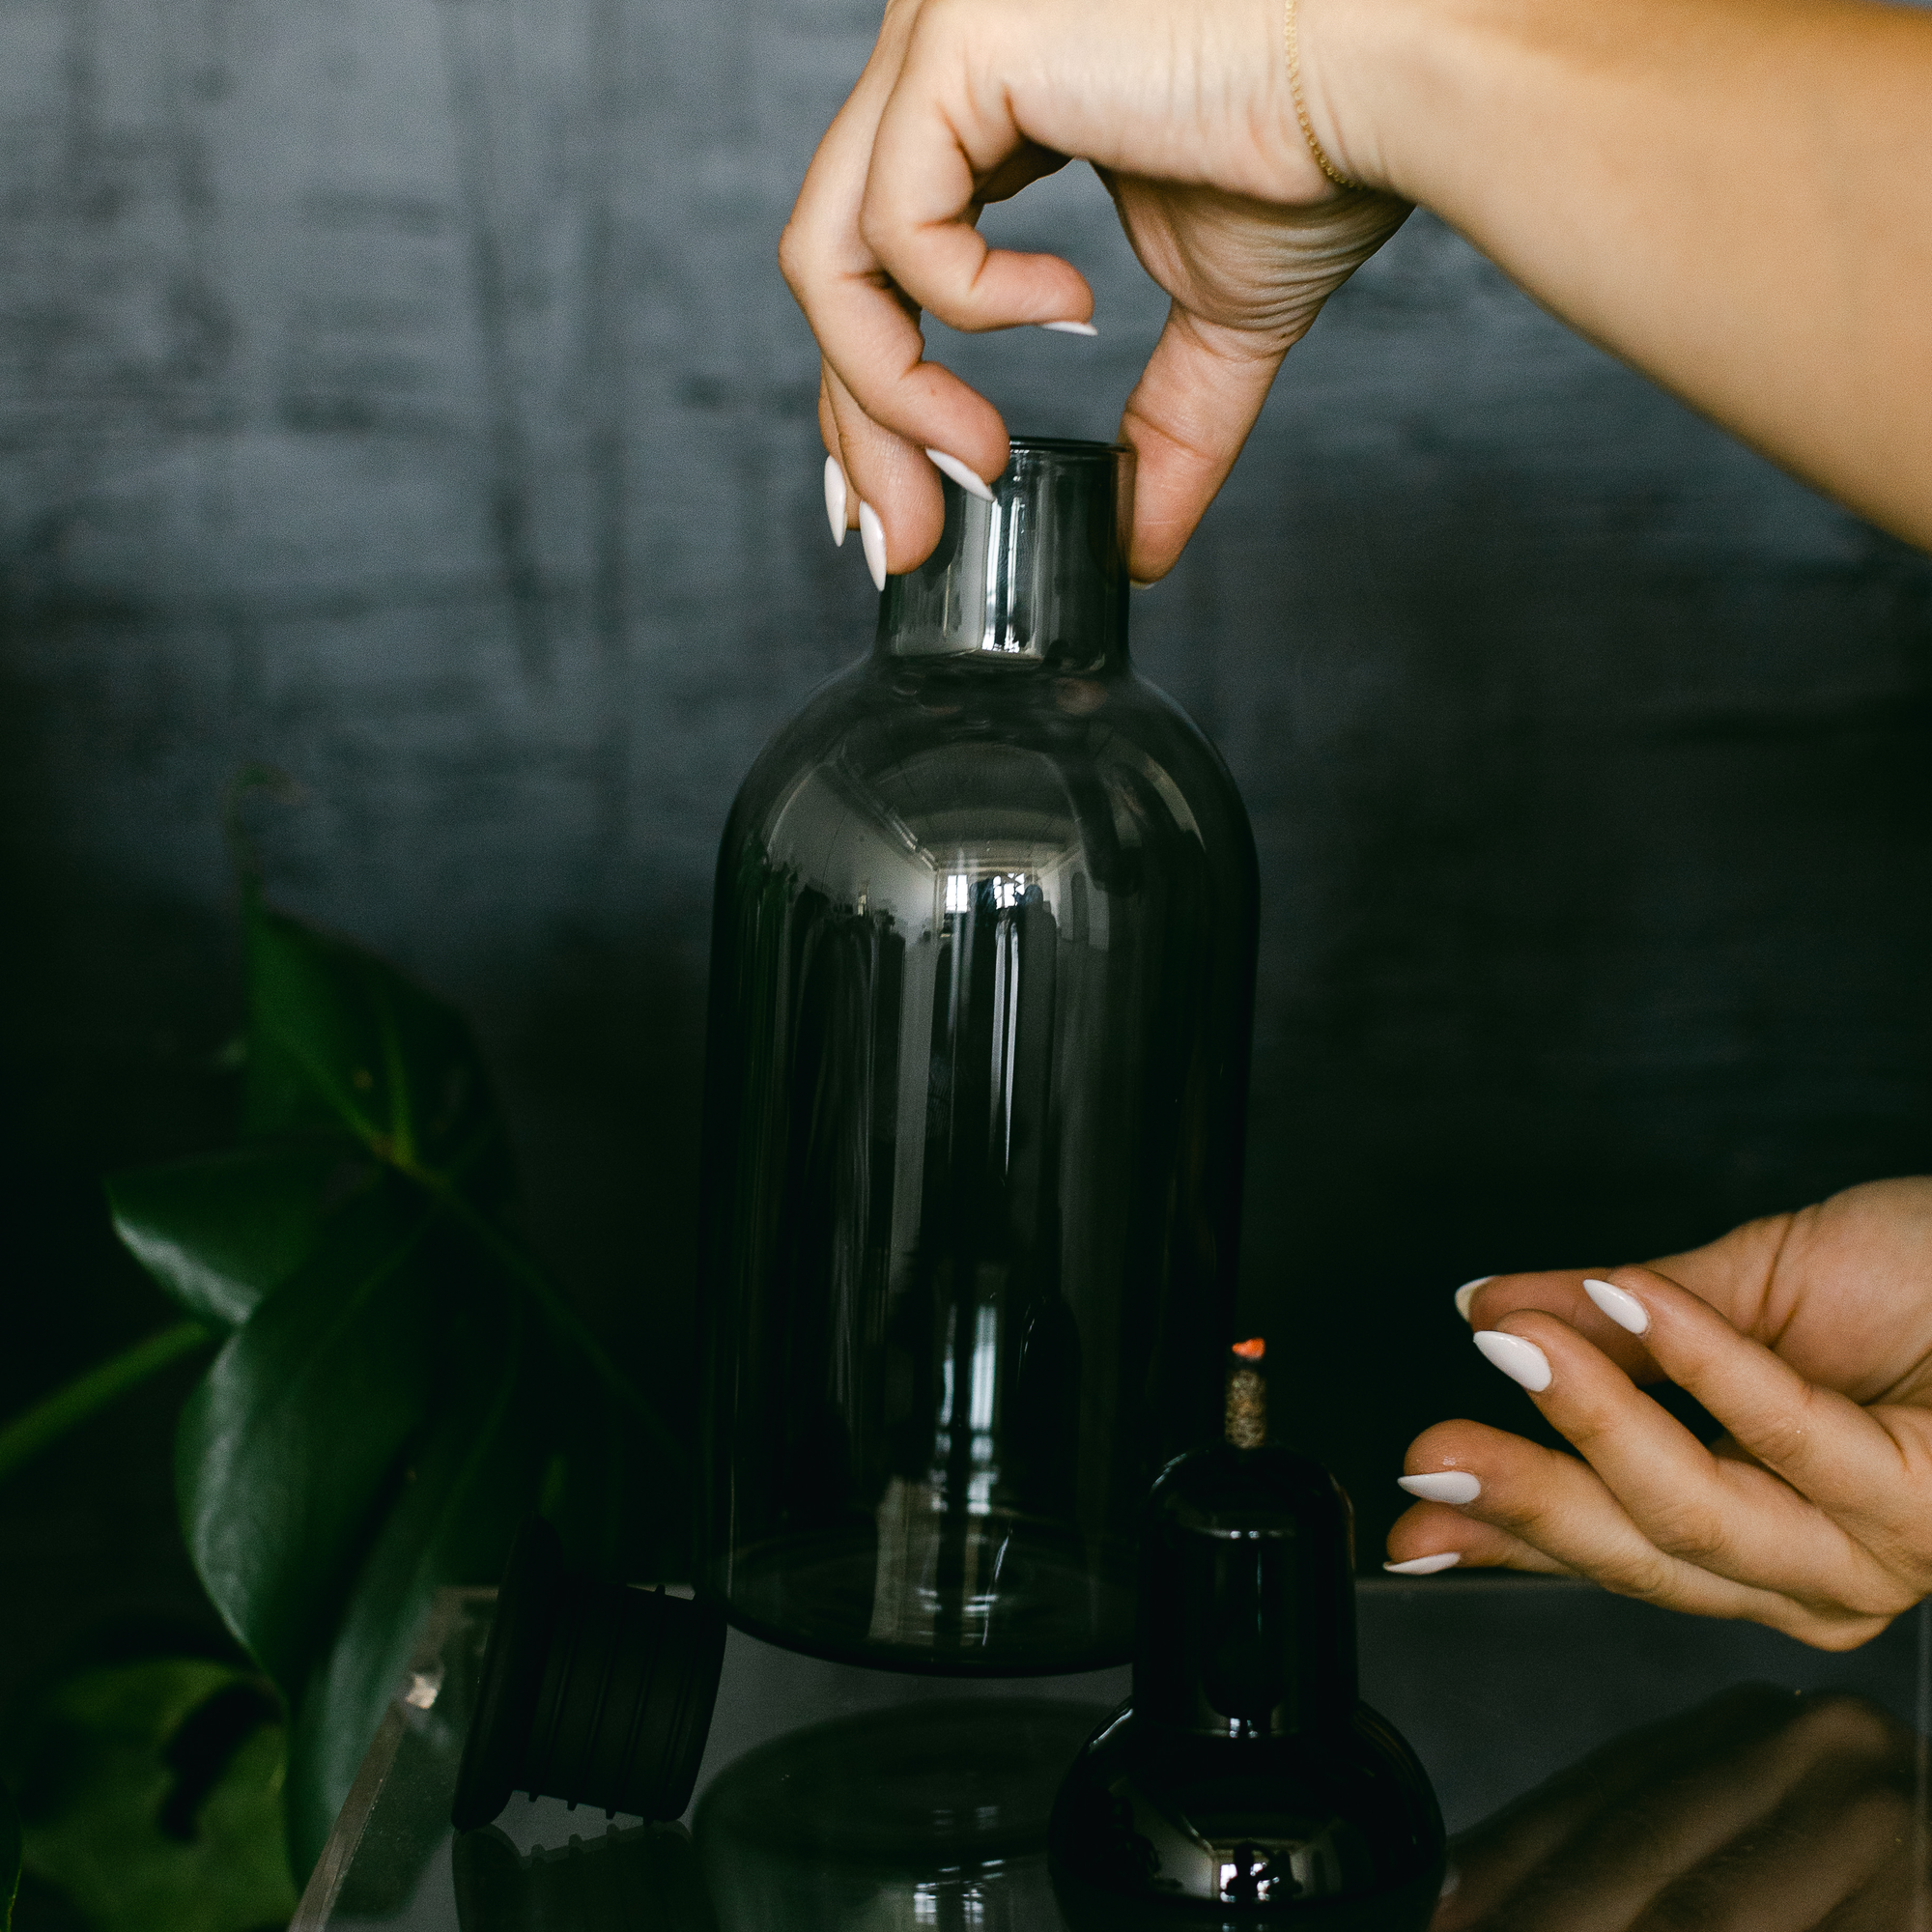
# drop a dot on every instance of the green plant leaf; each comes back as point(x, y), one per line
point(10, 1857)
point(290, 1442)
point(221, 1232)
point(338, 1041)
point(176, 1765)
point(471, 1475)
point(379, 1429)
point(400, 1385)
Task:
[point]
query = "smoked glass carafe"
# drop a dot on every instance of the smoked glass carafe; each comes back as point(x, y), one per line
point(981, 984)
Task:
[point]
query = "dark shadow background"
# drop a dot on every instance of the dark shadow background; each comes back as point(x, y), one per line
point(402, 392)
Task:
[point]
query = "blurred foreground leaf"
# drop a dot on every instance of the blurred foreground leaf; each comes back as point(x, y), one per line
point(10, 1857)
point(399, 1385)
point(221, 1232)
point(151, 1797)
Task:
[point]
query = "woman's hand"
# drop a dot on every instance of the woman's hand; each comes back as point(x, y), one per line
point(1733, 195)
point(1184, 108)
point(1808, 1336)
point(1756, 1809)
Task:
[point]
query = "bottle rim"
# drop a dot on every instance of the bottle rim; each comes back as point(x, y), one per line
point(1067, 446)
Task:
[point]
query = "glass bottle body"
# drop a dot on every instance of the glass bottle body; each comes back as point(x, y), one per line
point(983, 963)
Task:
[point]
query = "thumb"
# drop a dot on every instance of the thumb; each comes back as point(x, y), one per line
point(1187, 418)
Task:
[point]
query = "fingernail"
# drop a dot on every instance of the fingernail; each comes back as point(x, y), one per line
point(1139, 583)
point(1425, 1566)
point(1452, 1880)
point(1467, 1294)
point(951, 466)
point(1520, 1360)
point(835, 500)
point(1620, 1305)
point(1072, 327)
point(873, 541)
point(1452, 1486)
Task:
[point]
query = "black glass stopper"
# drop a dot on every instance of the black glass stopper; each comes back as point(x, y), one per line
point(594, 1692)
point(1245, 1772)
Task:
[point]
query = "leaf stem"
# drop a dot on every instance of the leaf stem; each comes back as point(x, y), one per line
point(88, 1394)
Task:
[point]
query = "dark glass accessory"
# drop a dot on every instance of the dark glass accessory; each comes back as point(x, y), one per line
point(981, 978)
point(1245, 1772)
point(597, 1693)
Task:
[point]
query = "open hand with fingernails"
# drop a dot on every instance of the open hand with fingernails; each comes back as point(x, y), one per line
point(1808, 1337)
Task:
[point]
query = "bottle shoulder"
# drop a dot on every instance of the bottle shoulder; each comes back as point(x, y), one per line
point(1219, 1488)
point(923, 747)
point(1363, 1744)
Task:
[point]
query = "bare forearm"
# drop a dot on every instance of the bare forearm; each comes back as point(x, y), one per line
point(1733, 195)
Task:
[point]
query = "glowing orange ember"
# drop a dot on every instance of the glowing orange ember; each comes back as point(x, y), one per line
point(1251, 1350)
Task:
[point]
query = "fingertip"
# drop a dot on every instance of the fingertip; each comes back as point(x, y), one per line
point(902, 513)
point(962, 473)
point(1517, 1356)
point(1620, 1305)
point(873, 541)
point(837, 500)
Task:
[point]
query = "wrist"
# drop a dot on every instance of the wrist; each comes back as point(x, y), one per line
point(1352, 56)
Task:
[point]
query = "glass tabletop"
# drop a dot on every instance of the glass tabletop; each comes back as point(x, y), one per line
point(1601, 1764)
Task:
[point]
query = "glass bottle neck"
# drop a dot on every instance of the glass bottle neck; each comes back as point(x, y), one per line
point(1037, 574)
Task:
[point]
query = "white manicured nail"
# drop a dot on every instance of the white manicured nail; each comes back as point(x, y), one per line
point(1520, 1360)
point(1452, 1486)
point(1072, 327)
point(873, 541)
point(1425, 1566)
point(1620, 1305)
point(951, 466)
point(1467, 1294)
point(835, 500)
point(1137, 584)
point(1452, 1881)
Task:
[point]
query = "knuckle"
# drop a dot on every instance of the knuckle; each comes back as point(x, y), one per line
point(878, 224)
point(1904, 1553)
point(933, 20)
point(792, 257)
point(1691, 1529)
point(1782, 1437)
point(1645, 1575)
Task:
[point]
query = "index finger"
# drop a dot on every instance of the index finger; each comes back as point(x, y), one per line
point(885, 404)
point(940, 139)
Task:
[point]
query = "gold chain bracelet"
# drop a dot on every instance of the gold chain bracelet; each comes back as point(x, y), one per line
point(1322, 160)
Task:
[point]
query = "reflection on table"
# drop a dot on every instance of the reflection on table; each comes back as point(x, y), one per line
point(842, 1801)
